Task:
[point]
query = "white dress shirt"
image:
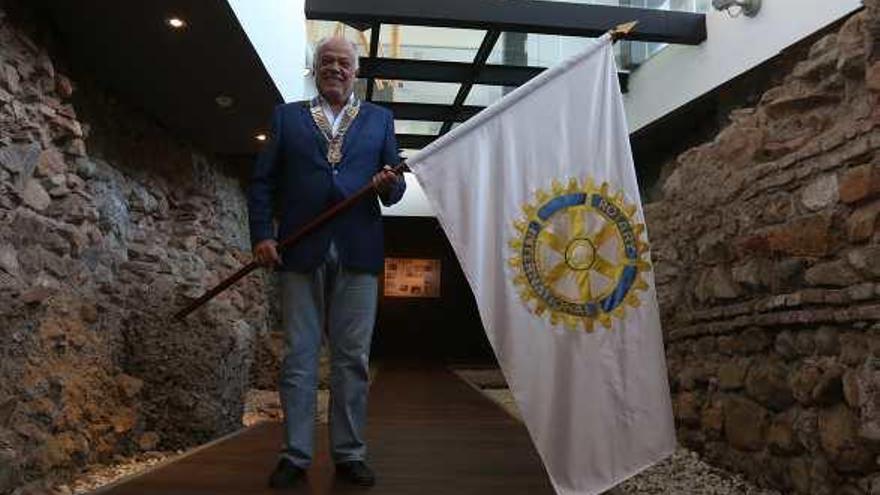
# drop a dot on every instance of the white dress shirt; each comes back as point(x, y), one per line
point(334, 119)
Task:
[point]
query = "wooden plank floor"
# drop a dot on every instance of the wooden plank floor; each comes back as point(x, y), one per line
point(429, 433)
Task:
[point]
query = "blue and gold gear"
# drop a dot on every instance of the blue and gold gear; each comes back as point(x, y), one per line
point(579, 255)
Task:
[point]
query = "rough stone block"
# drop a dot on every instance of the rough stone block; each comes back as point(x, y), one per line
point(861, 222)
point(776, 209)
point(768, 384)
point(865, 390)
point(851, 386)
point(50, 163)
point(852, 47)
point(789, 273)
point(832, 274)
point(820, 193)
point(838, 437)
point(805, 236)
point(784, 345)
point(76, 147)
point(780, 435)
point(853, 348)
point(866, 260)
point(799, 474)
point(687, 409)
point(35, 196)
point(745, 423)
point(817, 67)
point(827, 341)
point(803, 381)
point(731, 376)
point(21, 160)
point(716, 283)
point(861, 292)
point(829, 388)
point(754, 273)
point(872, 77)
point(712, 418)
point(10, 78)
point(10, 469)
point(859, 183)
point(737, 144)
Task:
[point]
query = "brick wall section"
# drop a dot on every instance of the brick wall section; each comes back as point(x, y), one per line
point(107, 224)
point(767, 258)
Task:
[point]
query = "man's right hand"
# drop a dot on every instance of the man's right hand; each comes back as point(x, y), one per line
point(266, 253)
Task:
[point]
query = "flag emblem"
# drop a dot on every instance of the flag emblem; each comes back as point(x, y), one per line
point(578, 255)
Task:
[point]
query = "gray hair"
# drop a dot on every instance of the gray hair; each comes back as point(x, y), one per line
point(319, 47)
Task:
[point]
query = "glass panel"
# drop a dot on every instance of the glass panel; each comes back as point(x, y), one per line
point(682, 5)
point(430, 43)
point(483, 95)
point(631, 54)
point(415, 91)
point(536, 50)
point(424, 127)
point(547, 50)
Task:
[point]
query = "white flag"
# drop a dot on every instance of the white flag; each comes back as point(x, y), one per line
point(538, 197)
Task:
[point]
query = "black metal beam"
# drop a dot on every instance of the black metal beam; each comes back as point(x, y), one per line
point(374, 50)
point(453, 72)
point(414, 141)
point(479, 61)
point(429, 111)
point(532, 16)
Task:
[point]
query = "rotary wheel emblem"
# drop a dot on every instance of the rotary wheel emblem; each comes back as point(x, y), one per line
point(578, 255)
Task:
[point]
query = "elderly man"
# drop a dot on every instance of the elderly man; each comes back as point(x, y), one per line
point(321, 152)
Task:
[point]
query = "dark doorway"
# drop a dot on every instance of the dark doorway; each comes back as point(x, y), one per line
point(444, 329)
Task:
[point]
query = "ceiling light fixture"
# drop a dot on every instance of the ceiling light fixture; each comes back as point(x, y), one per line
point(175, 22)
point(261, 137)
point(224, 101)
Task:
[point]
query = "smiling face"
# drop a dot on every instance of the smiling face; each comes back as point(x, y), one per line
point(335, 69)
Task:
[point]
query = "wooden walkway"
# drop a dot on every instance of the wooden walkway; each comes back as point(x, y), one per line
point(429, 433)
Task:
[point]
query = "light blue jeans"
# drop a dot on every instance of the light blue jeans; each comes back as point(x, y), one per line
point(344, 302)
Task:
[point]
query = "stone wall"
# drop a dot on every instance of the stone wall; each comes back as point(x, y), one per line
point(108, 224)
point(767, 259)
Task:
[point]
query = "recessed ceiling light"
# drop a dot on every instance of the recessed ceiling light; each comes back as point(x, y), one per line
point(224, 101)
point(261, 137)
point(176, 22)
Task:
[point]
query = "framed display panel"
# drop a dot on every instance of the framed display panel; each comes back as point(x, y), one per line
point(412, 277)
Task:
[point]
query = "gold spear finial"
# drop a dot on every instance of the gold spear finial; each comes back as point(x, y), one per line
point(623, 30)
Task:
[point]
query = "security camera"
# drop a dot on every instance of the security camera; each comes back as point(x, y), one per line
point(736, 7)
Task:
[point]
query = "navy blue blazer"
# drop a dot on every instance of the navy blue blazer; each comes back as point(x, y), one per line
point(294, 182)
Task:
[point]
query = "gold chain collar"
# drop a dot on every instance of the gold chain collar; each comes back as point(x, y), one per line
point(334, 143)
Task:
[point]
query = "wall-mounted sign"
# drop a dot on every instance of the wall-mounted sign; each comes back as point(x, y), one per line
point(411, 277)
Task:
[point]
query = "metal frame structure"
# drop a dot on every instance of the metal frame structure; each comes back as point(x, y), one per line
point(495, 17)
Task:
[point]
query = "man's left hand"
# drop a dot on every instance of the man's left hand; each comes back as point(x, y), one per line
point(385, 180)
